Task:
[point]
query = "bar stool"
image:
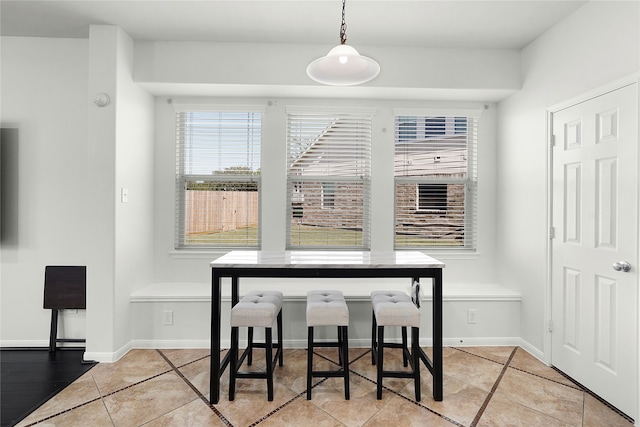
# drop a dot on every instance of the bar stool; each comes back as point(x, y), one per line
point(256, 309)
point(393, 308)
point(328, 308)
point(394, 296)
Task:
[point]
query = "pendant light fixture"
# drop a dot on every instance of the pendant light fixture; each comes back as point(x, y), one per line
point(343, 65)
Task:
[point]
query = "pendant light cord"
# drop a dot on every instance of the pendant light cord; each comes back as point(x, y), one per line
point(343, 26)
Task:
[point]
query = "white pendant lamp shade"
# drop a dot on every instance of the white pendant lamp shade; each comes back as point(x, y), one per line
point(343, 66)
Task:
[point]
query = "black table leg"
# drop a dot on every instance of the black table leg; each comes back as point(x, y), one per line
point(214, 373)
point(437, 335)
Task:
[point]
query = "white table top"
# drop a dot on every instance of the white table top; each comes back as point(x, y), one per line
point(326, 259)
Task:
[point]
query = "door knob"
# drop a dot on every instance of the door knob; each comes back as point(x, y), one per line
point(621, 266)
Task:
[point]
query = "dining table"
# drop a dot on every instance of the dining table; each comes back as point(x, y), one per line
point(411, 264)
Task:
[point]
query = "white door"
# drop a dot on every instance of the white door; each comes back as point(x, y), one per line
point(595, 220)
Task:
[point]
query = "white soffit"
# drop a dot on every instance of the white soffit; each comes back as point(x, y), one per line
point(502, 24)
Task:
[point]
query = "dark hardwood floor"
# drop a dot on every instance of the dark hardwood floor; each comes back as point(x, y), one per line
point(30, 377)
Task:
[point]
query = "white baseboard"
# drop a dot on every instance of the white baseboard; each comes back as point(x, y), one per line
point(353, 343)
point(477, 341)
point(532, 350)
point(24, 343)
point(108, 357)
point(174, 344)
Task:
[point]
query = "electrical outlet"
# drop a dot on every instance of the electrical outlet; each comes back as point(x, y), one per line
point(167, 317)
point(471, 315)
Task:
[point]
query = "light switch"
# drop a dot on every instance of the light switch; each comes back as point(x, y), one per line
point(124, 195)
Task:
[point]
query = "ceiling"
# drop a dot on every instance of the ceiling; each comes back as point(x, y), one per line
point(503, 24)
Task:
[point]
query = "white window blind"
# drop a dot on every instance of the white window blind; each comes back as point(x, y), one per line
point(217, 179)
point(328, 179)
point(435, 181)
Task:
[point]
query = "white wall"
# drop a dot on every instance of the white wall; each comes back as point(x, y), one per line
point(72, 159)
point(135, 155)
point(50, 185)
point(121, 156)
point(597, 44)
point(268, 69)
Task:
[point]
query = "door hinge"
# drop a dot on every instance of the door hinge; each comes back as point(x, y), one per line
point(550, 325)
point(552, 232)
point(552, 140)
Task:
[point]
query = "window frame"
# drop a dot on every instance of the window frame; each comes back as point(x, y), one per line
point(359, 182)
point(218, 177)
point(467, 182)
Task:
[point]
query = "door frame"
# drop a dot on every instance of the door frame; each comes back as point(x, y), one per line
point(550, 111)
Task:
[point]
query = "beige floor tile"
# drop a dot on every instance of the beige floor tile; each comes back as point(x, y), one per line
point(470, 369)
point(392, 361)
point(499, 354)
point(149, 400)
point(300, 412)
point(504, 412)
point(401, 412)
point(539, 394)
point(597, 414)
point(134, 367)
point(182, 357)
point(142, 389)
point(193, 414)
point(362, 405)
point(250, 403)
point(461, 401)
point(293, 373)
point(93, 414)
point(528, 363)
point(197, 373)
point(81, 391)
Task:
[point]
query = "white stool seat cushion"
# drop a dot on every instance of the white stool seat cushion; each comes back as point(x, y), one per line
point(396, 296)
point(327, 308)
point(390, 311)
point(257, 309)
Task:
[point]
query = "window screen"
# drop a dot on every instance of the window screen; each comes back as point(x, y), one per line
point(328, 179)
point(435, 181)
point(218, 179)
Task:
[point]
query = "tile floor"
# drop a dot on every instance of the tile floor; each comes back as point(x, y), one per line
point(483, 386)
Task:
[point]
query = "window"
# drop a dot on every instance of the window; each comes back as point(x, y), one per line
point(217, 179)
point(328, 195)
point(432, 197)
point(328, 179)
point(407, 128)
point(435, 182)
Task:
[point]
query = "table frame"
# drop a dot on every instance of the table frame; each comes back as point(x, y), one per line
point(415, 273)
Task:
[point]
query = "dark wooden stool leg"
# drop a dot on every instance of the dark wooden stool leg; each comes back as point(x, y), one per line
point(374, 328)
point(53, 335)
point(250, 345)
point(415, 355)
point(269, 350)
point(233, 362)
point(343, 330)
point(280, 339)
point(405, 346)
point(380, 361)
point(309, 360)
